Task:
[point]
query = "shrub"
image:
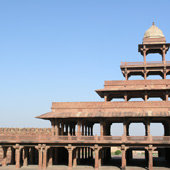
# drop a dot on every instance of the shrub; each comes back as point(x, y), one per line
point(118, 152)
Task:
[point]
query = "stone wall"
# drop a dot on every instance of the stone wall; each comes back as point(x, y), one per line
point(25, 131)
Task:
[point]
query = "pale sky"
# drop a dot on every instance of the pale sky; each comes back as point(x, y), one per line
point(63, 50)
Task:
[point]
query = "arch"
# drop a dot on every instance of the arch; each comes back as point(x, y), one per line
point(114, 127)
point(157, 129)
point(136, 129)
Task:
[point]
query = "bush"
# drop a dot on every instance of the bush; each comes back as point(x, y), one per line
point(118, 152)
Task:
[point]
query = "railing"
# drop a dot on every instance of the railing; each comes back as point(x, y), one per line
point(80, 139)
point(142, 63)
point(137, 138)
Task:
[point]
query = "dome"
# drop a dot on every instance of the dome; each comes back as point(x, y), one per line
point(154, 32)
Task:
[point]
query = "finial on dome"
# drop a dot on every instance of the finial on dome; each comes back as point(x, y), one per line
point(153, 23)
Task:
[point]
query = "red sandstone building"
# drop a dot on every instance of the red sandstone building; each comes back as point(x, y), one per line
point(70, 139)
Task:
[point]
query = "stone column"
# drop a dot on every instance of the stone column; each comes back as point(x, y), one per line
point(101, 128)
point(147, 127)
point(125, 97)
point(50, 161)
point(17, 155)
point(150, 158)
point(4, 151)
point(105, 98)
point(123, 149)
point(125, 128)
point(164, 73)
point(85, 130)
point(75, 157)
point(79, 128)
point(82, 129)
point(145, 96)
point(52, 127)
point(25, 156)
point(167, 96)
point(62, 129)
point(96, 150)
point(144, 54)
point(91, 130)
point(40, 155)
point(56, 128)
point(45, 148)
point(163, 53)
point(70, 157)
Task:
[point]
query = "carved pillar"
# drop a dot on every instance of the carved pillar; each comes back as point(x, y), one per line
point(105, 98)
point(150, 159)
point(145, 73)
point(82, 129)
point(17, 155)
point(4, 156)
point(125, 97)
point(79, 128)
point(101, 128)
point(56, 128)
point(70, 157)
point(91, 130)
point(75, 157)
point(145, 96)
point(125, 126)
point(25, 156)
point(40, 156)
point(85, 130)
point(164, 73)
point(50, 161)
point(96, 150)
point(147, 127)
point(144, 54)
point(62, 129)
point(167, 95)
point(163, 53)
point(123, 149)
point(45, 148)
point(52, 127)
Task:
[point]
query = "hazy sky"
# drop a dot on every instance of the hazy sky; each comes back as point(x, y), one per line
point(55, 51)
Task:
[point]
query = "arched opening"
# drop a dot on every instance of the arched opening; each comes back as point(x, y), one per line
point(161, 158)
point(137, 129)
point(59, 156)
point(96, 129)
point(157, 129)
point(116, 129)
point(137, 157)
